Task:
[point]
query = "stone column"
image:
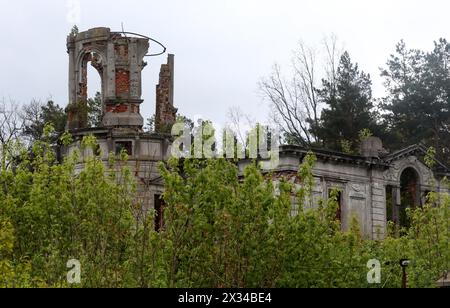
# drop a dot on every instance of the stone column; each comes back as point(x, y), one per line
point(134, 71)
point(71, 52)
point(111, 72)
point(378, 198)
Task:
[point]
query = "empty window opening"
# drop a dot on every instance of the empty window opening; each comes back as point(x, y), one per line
point(94, 81)
point(159, 213)
point(126, 146)
point(390, 204)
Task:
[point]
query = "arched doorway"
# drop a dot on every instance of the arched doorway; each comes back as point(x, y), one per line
point(410, 194)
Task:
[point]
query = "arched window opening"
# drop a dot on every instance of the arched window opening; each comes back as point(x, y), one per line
point(90, 90)
point(94, 81)
point(94, 91)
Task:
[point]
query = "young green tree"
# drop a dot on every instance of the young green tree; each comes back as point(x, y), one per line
point(222, 228)
point(59, 214)
point(216, 225)
point(37, 115)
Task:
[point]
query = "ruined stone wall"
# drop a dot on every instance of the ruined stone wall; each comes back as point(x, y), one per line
point(166, 113)
point(362, 185)
point(118, 58)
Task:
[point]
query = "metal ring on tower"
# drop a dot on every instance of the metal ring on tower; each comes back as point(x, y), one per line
point(149, 38)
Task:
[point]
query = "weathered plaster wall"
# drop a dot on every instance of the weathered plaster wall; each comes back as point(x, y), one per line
point(362, 184)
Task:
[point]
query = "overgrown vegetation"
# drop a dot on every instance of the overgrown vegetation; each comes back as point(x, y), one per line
point(220, 230)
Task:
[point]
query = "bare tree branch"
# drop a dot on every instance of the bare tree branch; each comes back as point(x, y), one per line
point(11, 125)
point(294, 101)
point(240, 123)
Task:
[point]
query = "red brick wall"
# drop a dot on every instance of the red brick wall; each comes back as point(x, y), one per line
point(117, 108)
point(122, 82)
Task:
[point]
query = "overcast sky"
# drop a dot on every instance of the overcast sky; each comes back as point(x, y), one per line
point(222, 47)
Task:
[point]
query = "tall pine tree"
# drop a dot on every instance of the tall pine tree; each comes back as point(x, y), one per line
point(349, 107)
point(418, 103)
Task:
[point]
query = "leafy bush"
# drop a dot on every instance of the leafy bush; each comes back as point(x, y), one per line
point(220, 229)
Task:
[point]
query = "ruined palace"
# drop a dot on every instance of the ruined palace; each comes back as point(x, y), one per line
point(118, 57)
point(374, 186)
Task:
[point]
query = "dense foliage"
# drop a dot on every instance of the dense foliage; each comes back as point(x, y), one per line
point(418, 104)
point(349, 107)
point(220, 229)
point(37, 115)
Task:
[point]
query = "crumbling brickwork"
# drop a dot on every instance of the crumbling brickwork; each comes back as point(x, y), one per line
point(166, 113)
point(119, 108)
point(122, 83)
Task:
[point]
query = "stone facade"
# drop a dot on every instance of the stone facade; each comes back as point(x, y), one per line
point(363, 181)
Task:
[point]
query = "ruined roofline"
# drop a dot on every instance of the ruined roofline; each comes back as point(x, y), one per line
point(325, 154)
point(412, 149)
point(102, 33)
point(104, 131)
point(405, 151)
point(165, 111)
